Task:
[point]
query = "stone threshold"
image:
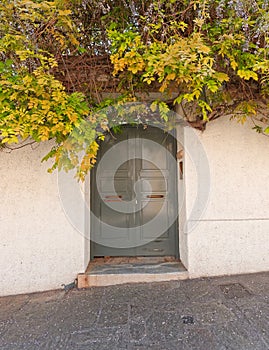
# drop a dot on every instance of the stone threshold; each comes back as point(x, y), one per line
point(111, 271)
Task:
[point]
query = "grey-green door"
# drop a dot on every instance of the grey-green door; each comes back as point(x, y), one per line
point(145, 184)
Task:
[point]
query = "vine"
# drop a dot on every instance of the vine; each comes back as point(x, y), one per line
point(210, 57)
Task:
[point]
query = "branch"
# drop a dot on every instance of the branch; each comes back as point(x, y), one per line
point(19, 146)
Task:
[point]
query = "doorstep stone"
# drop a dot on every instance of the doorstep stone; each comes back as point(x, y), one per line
point(140, 271)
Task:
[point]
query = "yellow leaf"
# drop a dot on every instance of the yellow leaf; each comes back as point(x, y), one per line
point(64, 12)
point(247, 74)
point(171, 76)
point(234, 64)
point(199, 22)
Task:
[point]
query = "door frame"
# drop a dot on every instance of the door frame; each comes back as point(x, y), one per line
point(89, 183)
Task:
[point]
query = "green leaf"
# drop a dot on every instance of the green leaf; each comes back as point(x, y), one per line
point(266, 130)
point(221, 77)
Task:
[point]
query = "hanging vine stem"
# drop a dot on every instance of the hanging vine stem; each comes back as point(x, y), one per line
point(15, 147)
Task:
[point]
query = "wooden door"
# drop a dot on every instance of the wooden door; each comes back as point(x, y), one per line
point(139, 199)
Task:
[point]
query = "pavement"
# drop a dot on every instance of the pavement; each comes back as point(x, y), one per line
point(209, 313)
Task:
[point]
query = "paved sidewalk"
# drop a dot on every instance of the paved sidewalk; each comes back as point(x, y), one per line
point(216, 313)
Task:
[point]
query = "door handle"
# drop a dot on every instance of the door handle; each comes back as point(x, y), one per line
point(155, 196)
point(113, 199)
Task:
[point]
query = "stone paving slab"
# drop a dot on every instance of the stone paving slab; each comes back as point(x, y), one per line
point(206, 314)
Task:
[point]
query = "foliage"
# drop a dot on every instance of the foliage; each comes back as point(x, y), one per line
point(212, 54)
point(33, 104)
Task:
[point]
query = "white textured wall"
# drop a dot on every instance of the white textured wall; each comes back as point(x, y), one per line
point(39, 249)
point(233, 233)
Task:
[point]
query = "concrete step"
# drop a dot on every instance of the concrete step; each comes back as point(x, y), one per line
point(120, 271)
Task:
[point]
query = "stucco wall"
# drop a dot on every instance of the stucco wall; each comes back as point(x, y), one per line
point(39, 249)
point(232, 235)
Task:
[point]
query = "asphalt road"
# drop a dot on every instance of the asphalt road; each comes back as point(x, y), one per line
point(213, 313)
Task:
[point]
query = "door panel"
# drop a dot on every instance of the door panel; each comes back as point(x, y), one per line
point(144, 187)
